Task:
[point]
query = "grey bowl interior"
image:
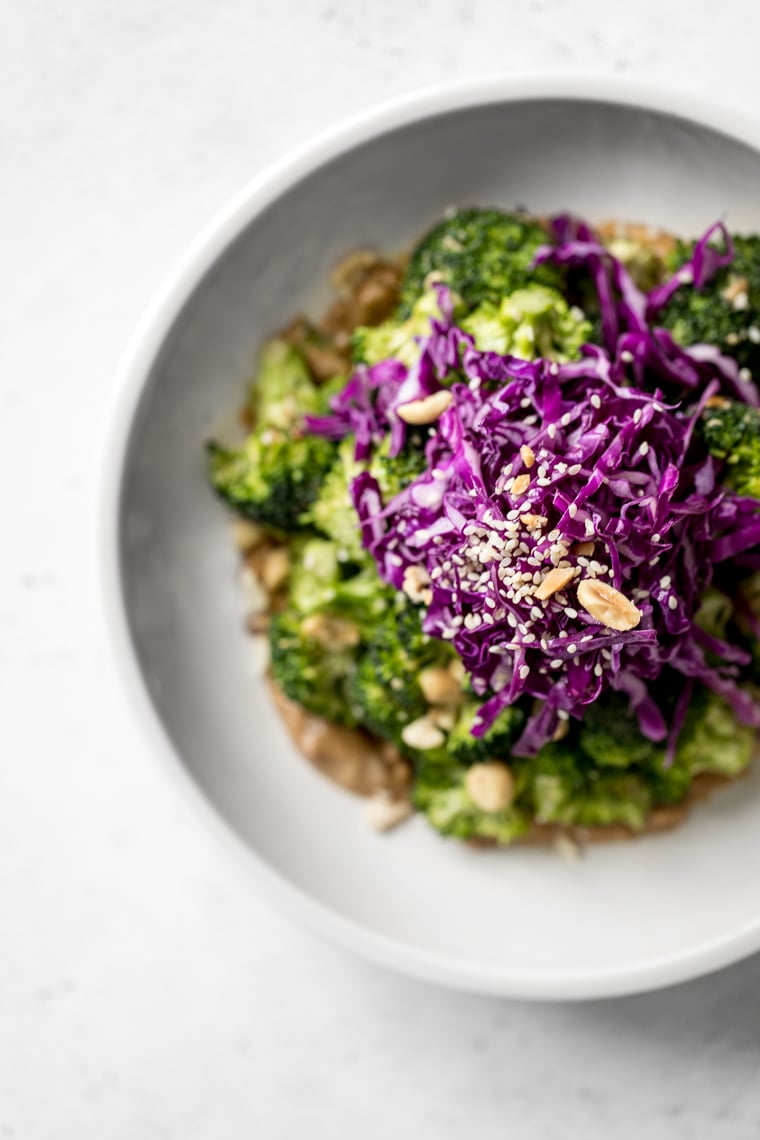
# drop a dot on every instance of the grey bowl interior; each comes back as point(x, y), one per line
point(184, 606)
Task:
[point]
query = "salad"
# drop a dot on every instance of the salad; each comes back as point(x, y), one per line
point(504, 503)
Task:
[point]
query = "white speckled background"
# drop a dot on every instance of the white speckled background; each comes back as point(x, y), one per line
point(144, 992)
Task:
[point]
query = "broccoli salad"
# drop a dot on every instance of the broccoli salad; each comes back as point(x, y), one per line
point(504, 503)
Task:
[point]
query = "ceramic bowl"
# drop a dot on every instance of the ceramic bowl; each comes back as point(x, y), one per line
point(522, 922)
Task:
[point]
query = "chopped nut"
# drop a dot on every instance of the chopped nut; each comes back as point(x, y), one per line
point(567, 847)
point(532, 521)
point(736, 288)
point(717, 402)
point(246, 535)
point(520, 484)
point(583, 549)
point(608, 605)
point(457, 669)
point(332, 632)
point(383, 813)
point(440, 686)
point(423, 734)
point(274, 568)
point(324, 363)
point(490, 785)
point(554, 581)
point(562, 729)
point(428, 409)
point(527, 456)
point(444, 718)
point(416, 585)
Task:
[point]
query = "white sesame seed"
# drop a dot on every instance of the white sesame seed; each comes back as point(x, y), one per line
point(589, 528)
point(643, 449)
point(512, 620)
point(745, 375)
point(570, 612)
point(395, 560)
point(529, 637)
point(598, 670)
point(543, 482)
point(572, 510)
point(654, 561)
point(525, 402)
point(563, 633)
point(572, 647)
point(656, 538)
point(626, 356)
point(566, 419)
point(524, 672)
point(665, 582)
point(637, 416)
point(753, 332)
point(672, 603)
point(556, 663)
point(536, 613)
point(595, 402)
point(529, 421)
point(575, 469)
point(551, 431)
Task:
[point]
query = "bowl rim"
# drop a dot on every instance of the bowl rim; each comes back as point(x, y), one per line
point(141, 353)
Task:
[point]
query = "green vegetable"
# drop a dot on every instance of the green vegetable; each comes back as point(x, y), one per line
point(712, 740)
point(315, 676)
point(322, 582)
point(610, 736)
point(645, 265)
point(440, 794)
point(483, 255)
point(726, 311)
point(565, 789)
point(395, 339)
point(277, 473)
point(333, 511)
point(532, 322)
point(732, 433)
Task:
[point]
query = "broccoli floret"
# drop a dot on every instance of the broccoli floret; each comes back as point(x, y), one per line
point(715, 612)
point(483, 255)
point(495, 744)
point(566, 789)
point(610, 734)
point(277, 473)
point(322, 582)
point(643, 261)
point(271, 480)
point(396, 338)
point(386, 687)
point(712, 740)
point(726, 311)
point(333, 511)
point(440, 794)
point(315, 675)
point(731, 432)
point(529, 323)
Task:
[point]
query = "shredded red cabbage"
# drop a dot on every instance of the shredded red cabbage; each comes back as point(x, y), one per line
point(538, 467)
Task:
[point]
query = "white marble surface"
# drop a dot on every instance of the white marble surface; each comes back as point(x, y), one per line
point(144, 991)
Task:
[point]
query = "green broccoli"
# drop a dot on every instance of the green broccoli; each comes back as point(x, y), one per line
point(333, 511)
point(610, 736)
point(483, 255)
point(644, 263)
point(712, 740)
point(323, 582)
point(726, 312)
point(564, 788)
point(316, 675)
point(731, 432)
point(386, 686)
point(529, 323)
point(277, 473)
point(439, 792)
point(395, 339)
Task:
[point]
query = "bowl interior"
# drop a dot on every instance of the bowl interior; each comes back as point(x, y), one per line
point(521, 921)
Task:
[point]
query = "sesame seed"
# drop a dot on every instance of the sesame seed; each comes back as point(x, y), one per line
point(512, 620)
point(551, 431)
point(589, 528)
point(570, 612)
point(665, 582)
point(395, 560)
point(575, 469)
point(595, 402)
point(672, 602)
point(572, 647)
point(637, 416)
point(626, 356)
point(656, 537)
point(598, 670)
point(536, 613)
point(745, 375)
point(525, 402)
point(566, 419)
point(643, 449)
point(529, 421)
point(753, 332)
point(556, 663)
point(654, 561)
point(563, 633)
point(524, 672)
point(572, 510)
point(529, 637)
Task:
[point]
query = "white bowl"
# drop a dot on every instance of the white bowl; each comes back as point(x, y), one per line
point(628, 916)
